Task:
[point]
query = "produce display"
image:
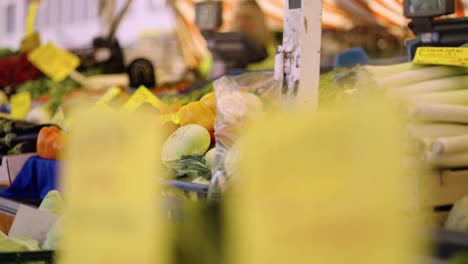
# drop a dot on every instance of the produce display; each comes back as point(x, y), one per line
point(52, 204)
point(240, 100)
point(433, 101)
point(17, 137)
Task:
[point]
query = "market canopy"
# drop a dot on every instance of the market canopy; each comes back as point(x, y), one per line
point(336, 15)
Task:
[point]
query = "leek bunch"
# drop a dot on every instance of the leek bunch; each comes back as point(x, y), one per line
point(435, 99)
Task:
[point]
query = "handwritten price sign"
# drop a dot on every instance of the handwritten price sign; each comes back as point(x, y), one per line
point(442, 56)
point(53, 61)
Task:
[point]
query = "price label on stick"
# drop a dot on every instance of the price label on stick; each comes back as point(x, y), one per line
point(111, 194)
point(31, 18)
point(53, 61)
point(329, 191)
point(20, 105)
point(32, 38)
point(109, 95)
point(141, 96)
point(442, 56)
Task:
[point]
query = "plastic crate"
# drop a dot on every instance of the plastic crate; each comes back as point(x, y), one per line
point(45, 257)
point(190, 190)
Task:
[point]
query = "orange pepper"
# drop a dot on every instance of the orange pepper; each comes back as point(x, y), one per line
point(197, 113)
point(49, 142)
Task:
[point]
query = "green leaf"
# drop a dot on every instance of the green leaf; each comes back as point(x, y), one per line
point(190, 166)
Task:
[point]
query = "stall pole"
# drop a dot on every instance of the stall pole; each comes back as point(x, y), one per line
point(298, 60)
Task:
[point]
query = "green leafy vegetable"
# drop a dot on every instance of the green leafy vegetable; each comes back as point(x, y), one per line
point(328, 88)
point(45, 86)
point(8, 244)
point(53, 236)
point(187, 97)
point(52, 203)
point(190, 166)
point(460, 258)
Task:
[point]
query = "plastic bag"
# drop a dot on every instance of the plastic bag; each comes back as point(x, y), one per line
point(239, 100)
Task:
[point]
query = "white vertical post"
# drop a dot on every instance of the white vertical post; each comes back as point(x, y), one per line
point(308, 91)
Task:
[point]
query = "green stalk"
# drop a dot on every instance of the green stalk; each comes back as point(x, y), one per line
point(451, 161)
point(420, 75)
point(439, 113)
point(450, 97)
point(448, 146)
point(447, 84)
point(436, 130)
point(382, 71)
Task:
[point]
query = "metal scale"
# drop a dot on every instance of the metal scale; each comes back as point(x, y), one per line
point(452, 32)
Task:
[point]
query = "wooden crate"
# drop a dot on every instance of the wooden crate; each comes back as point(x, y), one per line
point(445, 187)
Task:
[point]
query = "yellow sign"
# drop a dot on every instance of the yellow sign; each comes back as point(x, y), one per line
point(109, 96)
point(113, 214)
point(320, 188)
point(174, 117)
point(442, 56)
point(141, 96)
point(30, 42)
point(56, 63)
point(20, 105)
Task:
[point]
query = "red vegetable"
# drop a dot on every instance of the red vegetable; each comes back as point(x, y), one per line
point(49, 142)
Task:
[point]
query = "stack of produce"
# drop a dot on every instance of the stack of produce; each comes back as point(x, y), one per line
point(17, 137)
point(52, 204)
point(188, 152)
point(435, 101)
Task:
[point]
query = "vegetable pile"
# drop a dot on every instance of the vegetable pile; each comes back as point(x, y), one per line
point(434, 100)
point(186, 152)
point(17, 137)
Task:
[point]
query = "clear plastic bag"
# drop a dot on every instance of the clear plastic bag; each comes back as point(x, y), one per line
point(239, 99)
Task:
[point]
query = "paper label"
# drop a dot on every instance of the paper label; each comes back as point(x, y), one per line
point(33, 223)
point(344, 197)
point(143, 95)
point(20, 105)
point(53, 61)
point(174, 117)
point(109, 96)
point(111, 191)
point(442, 56)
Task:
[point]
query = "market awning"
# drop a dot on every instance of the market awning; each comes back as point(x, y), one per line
point(337, 15)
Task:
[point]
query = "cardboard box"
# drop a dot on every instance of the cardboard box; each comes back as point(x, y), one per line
point(10, 166)
point(445, 187)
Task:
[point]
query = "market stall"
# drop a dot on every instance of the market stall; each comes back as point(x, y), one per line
point(199, 149)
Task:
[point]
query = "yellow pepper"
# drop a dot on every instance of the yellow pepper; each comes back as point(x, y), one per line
point(197, 113)
point(209, 100)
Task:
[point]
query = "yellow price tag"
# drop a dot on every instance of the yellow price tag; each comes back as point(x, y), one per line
point(442, 56)
point(327, 192)
point(102, 108)
point(20, 105)
point(55, 62)
point(143, 95)
point(108, 96)
point(111, 191)
point(174, 117)
point(31, 19)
